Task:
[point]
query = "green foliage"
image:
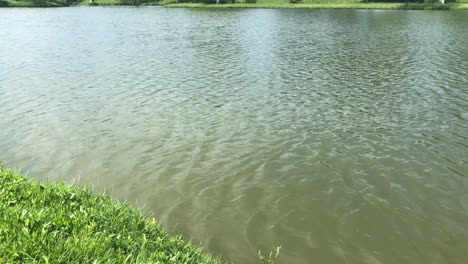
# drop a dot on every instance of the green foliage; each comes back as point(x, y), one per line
point(128, 2)
point(271, 258)
point(436, 2)
point(52, 3)
point(322, 4)
point(206, 1)
point(55, 223)
point(131, 2)
point(427, 6)
point(39, 3)
point(395, 1)
point(33, 3)
point(332, 4)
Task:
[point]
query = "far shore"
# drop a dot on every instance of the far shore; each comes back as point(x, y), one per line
point(375, 6)
point(269, 4)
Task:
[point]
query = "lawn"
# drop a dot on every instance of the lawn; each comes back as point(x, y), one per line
point(58, 223)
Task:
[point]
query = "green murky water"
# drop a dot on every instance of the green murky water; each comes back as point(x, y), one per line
point(340, 135)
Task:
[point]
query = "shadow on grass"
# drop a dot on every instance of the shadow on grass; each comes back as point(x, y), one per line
point(4, 3)
point(139, 2)
point(40, 3)
point(426, 6)
point(417, 4)
point(53, 3)
point(35, 3)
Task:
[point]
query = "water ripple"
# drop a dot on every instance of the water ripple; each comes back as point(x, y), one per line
point(340, 135)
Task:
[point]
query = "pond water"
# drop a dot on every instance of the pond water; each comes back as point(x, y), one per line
point(340, 135)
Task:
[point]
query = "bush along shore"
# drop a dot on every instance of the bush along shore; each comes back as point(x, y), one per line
point(56, 223)
point(312, 4)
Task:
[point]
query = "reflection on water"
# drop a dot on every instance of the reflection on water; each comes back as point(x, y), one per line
point(340, 135)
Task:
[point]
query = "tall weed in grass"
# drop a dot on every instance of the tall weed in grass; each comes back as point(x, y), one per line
point(271, 258)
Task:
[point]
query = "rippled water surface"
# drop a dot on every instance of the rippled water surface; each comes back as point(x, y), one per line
point(340, 135)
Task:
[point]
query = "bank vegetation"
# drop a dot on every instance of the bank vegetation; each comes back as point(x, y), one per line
point(58, 223)
point(313, 4)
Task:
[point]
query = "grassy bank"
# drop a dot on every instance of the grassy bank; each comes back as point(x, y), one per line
point(325, 5)
point(311, 4)
point(64, 3)
point(55, 223)
point(32, 3)
point(321, 4)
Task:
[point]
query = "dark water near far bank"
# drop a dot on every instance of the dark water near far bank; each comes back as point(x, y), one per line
point(339, 134)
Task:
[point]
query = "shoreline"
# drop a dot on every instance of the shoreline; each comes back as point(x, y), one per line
point(260, 5)
point(357, 6)
point(66, 223)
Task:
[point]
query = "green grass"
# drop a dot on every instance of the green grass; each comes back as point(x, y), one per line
point(123, 2)
point(56, 223)
point(260, 4)
point(312, 4)
point(32, 3)
point(319, 4)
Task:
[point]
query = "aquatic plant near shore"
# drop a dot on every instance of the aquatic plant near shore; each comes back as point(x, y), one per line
point(271, 258)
